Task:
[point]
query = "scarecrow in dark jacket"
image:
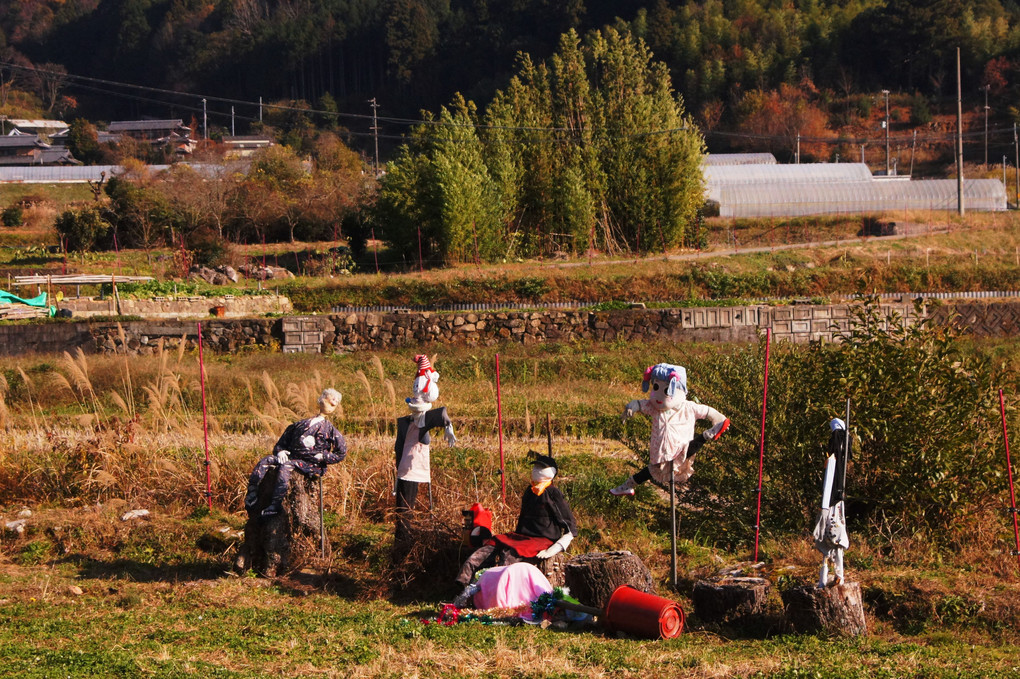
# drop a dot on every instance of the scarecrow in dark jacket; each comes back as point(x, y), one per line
point(413, 447)
point(308, 446)
point(545, 527)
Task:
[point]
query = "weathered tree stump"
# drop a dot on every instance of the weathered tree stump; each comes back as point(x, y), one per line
point(833, 610)
point(555, 569)
point(593, 577)
point(280, 543)
point(733, 601)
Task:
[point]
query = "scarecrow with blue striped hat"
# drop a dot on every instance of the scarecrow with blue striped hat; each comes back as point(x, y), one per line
point(673, 443)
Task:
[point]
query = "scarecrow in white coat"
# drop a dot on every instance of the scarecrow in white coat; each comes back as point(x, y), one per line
point(414, 440)
point(673, 417)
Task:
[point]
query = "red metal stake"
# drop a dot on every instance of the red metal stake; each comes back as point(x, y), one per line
point(1009, 470)
point(499, 420)
point(761, 449)
point(205, 420)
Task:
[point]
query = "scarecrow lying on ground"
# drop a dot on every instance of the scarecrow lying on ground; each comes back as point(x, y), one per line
point(308, 446)
point(673, 418)
point(414, 442)
point(545, 527)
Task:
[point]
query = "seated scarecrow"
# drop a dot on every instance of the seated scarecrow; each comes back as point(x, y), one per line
point(308, 446)
point(545, 527)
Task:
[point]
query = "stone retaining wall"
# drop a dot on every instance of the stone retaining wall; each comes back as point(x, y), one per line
point(342, 333)
point(178, 307)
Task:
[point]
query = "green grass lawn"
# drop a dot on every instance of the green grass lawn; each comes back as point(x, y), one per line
point(146, 612)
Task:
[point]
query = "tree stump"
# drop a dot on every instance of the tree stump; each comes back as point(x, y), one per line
point(833, 610)
point(280, 543)
point(732, 601)
point(593, 577)
point(554, 568)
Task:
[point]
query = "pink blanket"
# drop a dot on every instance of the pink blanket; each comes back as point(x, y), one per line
point(510, 586)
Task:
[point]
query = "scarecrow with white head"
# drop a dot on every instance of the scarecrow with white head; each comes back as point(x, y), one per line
point(673, 443)
point(414, 441)
point(308, 446)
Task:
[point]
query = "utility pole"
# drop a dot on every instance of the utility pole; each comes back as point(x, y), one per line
point(232, 133)
point(375, 133)
point(985, 88)
point(886, 93)
point(913, 146)
point(1016, 164)
point(959, 137)
point(798, 148)
point(862, 153)
point(205, 122)
point(260, 109)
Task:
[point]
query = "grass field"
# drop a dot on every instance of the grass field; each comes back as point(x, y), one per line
point(83, 593)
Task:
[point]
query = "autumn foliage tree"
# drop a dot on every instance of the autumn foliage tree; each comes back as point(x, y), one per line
point(785, 115)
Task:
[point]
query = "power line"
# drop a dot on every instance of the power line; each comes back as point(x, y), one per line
point(89, 83)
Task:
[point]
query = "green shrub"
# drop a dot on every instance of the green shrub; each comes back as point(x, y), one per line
point(13, 215)
point(923, 418)
point(82, 228)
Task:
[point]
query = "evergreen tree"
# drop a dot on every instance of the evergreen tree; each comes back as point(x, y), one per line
point(585, 151)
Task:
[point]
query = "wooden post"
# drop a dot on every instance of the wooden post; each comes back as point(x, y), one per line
point(499, 421)
point(672, 525)
point(205, 420)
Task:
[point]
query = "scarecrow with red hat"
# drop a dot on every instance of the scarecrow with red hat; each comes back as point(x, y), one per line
point(414, 440)
point(673, 443)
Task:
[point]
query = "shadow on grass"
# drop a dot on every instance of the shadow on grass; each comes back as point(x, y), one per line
point(97, 569)
point(303, 583)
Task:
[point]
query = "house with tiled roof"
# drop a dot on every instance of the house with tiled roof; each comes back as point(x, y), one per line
point(41, 127)
point(172, 133)
point(245, 146)
point(29, 149)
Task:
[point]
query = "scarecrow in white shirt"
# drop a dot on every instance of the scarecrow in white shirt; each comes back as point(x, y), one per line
point(673, 417)
point(414, 440)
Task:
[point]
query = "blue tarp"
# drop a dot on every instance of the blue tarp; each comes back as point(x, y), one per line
point(8, 298)
point(37, 302)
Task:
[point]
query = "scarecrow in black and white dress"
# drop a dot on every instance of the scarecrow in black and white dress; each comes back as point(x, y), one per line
point(545, 526)
point(831, 538)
